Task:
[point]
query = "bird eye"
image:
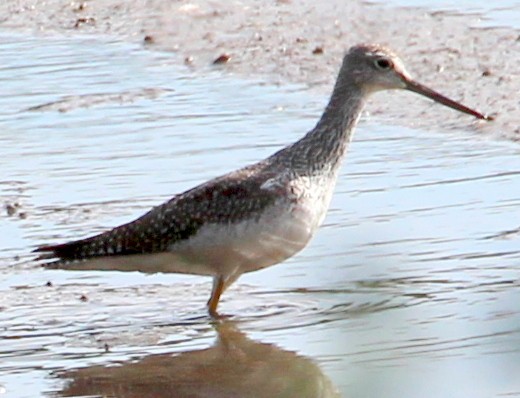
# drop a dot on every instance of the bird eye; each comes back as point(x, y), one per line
point(383, 63)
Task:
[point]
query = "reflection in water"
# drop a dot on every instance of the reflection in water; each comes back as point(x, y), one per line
point(410, 289)
point(235, 366)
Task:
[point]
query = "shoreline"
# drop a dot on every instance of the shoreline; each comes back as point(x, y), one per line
point(287, 41)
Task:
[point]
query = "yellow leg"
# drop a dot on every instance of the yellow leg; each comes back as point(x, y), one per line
point(218, 288)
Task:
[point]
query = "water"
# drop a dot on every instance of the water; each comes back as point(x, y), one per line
point(410, 288)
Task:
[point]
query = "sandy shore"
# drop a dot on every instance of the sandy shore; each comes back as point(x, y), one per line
point(296, 41)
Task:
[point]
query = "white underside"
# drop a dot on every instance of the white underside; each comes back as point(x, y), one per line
point(219, 249)
point(228, 250)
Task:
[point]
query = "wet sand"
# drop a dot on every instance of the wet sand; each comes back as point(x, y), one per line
point(411, 287)
point(295, 41)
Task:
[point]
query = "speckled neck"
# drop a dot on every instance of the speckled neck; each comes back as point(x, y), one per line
point(322, 149)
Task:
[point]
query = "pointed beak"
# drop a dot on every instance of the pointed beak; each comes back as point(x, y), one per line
point(437, 97)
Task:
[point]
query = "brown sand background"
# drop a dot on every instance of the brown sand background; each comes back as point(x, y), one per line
point(302, 41)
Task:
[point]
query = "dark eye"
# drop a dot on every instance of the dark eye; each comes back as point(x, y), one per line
point(383, 63)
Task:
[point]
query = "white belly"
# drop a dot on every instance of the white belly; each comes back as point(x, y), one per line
point(224, 250)
point(229, 250)
point(278, 234)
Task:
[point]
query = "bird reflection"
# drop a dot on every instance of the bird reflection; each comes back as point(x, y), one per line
point(235, 366)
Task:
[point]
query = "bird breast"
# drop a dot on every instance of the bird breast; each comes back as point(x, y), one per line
point(280, 231)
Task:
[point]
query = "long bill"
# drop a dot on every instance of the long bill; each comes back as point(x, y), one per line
point(434, 95)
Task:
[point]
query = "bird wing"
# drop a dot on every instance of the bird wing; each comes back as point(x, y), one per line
point(227, 199)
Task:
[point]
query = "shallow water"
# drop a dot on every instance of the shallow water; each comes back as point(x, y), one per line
point(410, 288)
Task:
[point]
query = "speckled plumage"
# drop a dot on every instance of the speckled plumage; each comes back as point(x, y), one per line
point(256, 216)
point(223, 200)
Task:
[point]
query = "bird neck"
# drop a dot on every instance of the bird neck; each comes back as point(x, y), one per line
point(322, 149)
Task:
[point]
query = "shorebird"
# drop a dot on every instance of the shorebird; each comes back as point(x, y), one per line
point(256, 216)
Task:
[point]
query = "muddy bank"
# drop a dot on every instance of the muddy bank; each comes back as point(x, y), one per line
point(296, 41)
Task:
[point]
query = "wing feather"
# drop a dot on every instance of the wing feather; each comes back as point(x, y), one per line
point(227, 199)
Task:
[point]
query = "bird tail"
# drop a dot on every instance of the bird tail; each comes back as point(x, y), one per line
point(76, 250)
point(64, 250)
point(75, 254)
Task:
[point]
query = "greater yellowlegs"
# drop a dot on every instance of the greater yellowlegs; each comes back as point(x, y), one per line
point(256, 216)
